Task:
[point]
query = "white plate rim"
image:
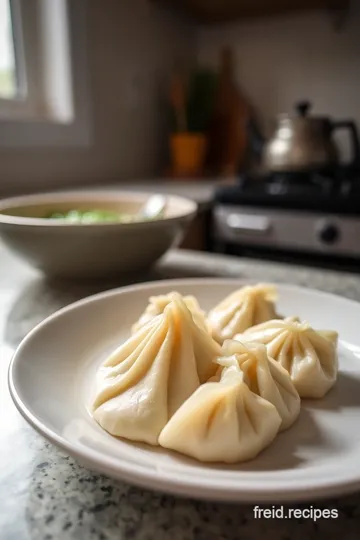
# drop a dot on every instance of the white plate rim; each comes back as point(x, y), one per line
point(150, 479)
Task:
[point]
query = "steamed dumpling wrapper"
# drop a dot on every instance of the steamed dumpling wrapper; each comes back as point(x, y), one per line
point(157, 304)
point(309, 356)
point(222, 421)
point(243, 308)
point(265, 377)
point(147, 379)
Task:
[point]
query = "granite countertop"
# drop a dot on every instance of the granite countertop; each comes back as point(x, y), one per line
point(46, 495)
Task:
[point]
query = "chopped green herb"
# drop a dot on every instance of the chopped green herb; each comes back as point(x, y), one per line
point(99, 216)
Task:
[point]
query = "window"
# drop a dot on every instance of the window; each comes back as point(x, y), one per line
point(8, 76)
point(43, 75)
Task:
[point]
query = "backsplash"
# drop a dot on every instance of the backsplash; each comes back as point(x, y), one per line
point(284, 59)
point(132, 46)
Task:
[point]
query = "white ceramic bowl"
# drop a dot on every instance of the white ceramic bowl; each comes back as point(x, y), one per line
point(67, 250)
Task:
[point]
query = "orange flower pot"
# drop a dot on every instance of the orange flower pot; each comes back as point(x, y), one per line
point(188, 153)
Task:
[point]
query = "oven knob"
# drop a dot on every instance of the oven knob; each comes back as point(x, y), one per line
point(329, 233)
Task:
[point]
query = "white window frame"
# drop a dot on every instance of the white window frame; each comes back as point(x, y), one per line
point(53, 105)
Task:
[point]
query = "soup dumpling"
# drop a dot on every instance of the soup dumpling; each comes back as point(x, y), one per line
point(145, 380)
point(222, 421)
point(309, 356)
point(264, 377)
point(157, 304)
point(242, 309)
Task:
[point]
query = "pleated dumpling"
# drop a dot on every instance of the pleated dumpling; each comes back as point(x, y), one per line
point(309, 356)
point(143, 383)
point(243, 308)
point(265, 377)
point(222, 421)
point(157, 304)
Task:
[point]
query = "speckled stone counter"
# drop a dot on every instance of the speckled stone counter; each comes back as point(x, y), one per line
point(46, 495)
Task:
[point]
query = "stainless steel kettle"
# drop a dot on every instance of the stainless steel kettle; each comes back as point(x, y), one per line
point(303, 142)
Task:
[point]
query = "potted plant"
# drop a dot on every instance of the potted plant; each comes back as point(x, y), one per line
point(192, 102)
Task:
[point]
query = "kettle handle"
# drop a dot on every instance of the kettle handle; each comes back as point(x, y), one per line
point(354, 137)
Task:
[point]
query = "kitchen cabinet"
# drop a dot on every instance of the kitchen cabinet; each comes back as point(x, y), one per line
point(213, 11)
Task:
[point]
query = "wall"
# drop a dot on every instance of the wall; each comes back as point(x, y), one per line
point(284, 59)
point(131, 48)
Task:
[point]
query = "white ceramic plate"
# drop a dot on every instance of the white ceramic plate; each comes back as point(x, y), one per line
point(51, 375)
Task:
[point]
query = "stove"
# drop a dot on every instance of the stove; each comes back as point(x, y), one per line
point(304, 214)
